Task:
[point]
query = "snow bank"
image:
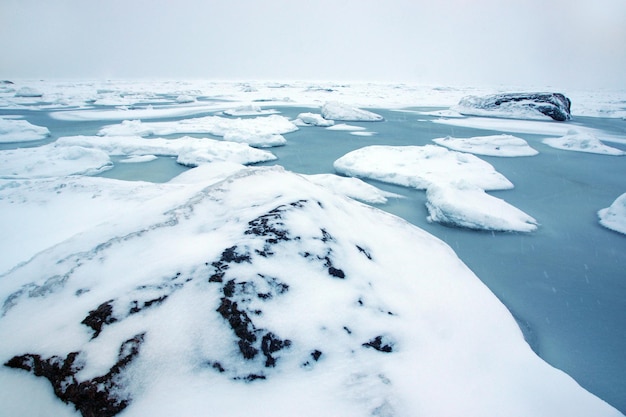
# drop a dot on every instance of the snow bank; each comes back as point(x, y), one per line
point(420, 167)
point(614, 216)
point(582, 142)
point(353, 188)
point(314, 119)
point(468, 206)
point(494, 145)
point(52, 160)
point(189, 151)
point(258, 131)
point(334, 110)
point(259, 294)
point(15, 130)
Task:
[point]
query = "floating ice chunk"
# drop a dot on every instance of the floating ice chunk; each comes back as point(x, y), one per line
point(28, 92)
point(495, 145)
point(130, 114)
point(353, 188)
point(338, 111)
point(420, 166)
point(614, 216)
point(582, 142)
point(52, 160)
point(258, 131)
point(314, 119)
point(138, 159)
point(249, 110)
point(464, 205)
point(344, 126)
point(184, 98)
point(360, 133)
point(190, 151)
point(15, 130)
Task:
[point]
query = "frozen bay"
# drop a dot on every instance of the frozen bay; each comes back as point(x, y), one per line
point(564, 283)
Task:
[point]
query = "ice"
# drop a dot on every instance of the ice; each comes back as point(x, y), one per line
point(314, 119)
point(334, 110)
point(184, 99)
point(259, 131)
point(138, 159)
point(542, 106)
point(614, 216)
point(15, 130)
point(256, 292)
point(353, 188)
point(463, 205)
point(494, 145)
point(344, 126)
point(582, 142)
point(189, 151)
point(249, 110)
point(130, 113)
point(28, 92)
point(420, 167)
point(52, 160)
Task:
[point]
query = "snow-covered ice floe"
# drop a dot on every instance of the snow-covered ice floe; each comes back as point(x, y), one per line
point(249, 110)
point(189, 151)
point(255, 292)
point(353, 188)
point(259, 131)
point(582, 142)
point(129, 113)
point(614, 216)
point(334, 110)
point(314, 119)
point(16, 130)
point(494, 145)
point(549, 106)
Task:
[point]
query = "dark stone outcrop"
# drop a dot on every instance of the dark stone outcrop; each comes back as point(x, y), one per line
point(381, 344)
point(554, 105)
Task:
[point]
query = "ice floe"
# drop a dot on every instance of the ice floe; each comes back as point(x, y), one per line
point(189, 151)
point(334, 110)
point(16, 130)
point(353, 188)
point(28, 92)
point(582, 142)
point(249, 110)
point(259, 131)
point(463, 205)
point(614, 216)
point(493, 145)
point(260, 294)
point(138, 159)
point(314, 119)
point(344, 126)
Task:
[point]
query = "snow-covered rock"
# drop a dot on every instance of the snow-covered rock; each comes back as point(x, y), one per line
point(16, 130)
point(260, 294)
point(582, 142)
point(614, 216)
point(518, 106)
point(314, 119)
point(52, 160)
point(189, 151)
point(493, 145)
point(334, 110)
point(463, 205)
point(28, 92)
point(420, 167)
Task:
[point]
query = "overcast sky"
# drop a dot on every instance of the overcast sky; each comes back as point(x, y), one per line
point(560, 43)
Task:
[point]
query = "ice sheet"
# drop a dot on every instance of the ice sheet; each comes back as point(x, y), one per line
point(582, 142)
point(15, 130)
point(494, 145)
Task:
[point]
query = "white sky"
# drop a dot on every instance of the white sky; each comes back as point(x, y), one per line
point(559, 43)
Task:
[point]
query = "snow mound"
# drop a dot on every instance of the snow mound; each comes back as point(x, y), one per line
point(15, 130)
point(353, 188)
point(257, 132)
point(314, 119)
point(263, 294)
point(494, 145)
point(334, 110)
point(138, 159)
point(28, 92)
point(582, 142)
point(184, 99)
point(52, 160)
point(420, 167)
point(189, 151)
point(471, 207)
point(614, 216)
point(554, 106)
point(249, 110)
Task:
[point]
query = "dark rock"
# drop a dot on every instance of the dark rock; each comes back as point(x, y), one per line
point(136, 307)
point(337, 273)
point(271, 344)
point(381, 344)
point(99, 317)
point(554, 105)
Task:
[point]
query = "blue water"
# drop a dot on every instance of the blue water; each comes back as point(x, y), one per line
point(565, 283)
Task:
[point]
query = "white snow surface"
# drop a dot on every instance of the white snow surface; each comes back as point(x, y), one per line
point(493, 145)
point(334, 110)
point(381, 318)
point(249, 110)
point(314, 119)
point(353, 188)
point(582, 142)
point(259, 131)
point(15, 130)
point(189, 151)
point(344, 126)
point(468, 206)
point(614, 216)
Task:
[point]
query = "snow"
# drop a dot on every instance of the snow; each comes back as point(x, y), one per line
point(353, 188)
point(420, 167)
point(52, 160)
point(334, 110)
point(258, 131)
point(314, 119)
point(125, 113)
point(138, 159)
point(493, 145)
point(15, 130)
point(249, 110)
point(471, 207)
point(28, 92)
point(582, 142)
point(344, 126)
point(614, 216)
point(184, 99)
point(375, 310)
point(189, 151)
